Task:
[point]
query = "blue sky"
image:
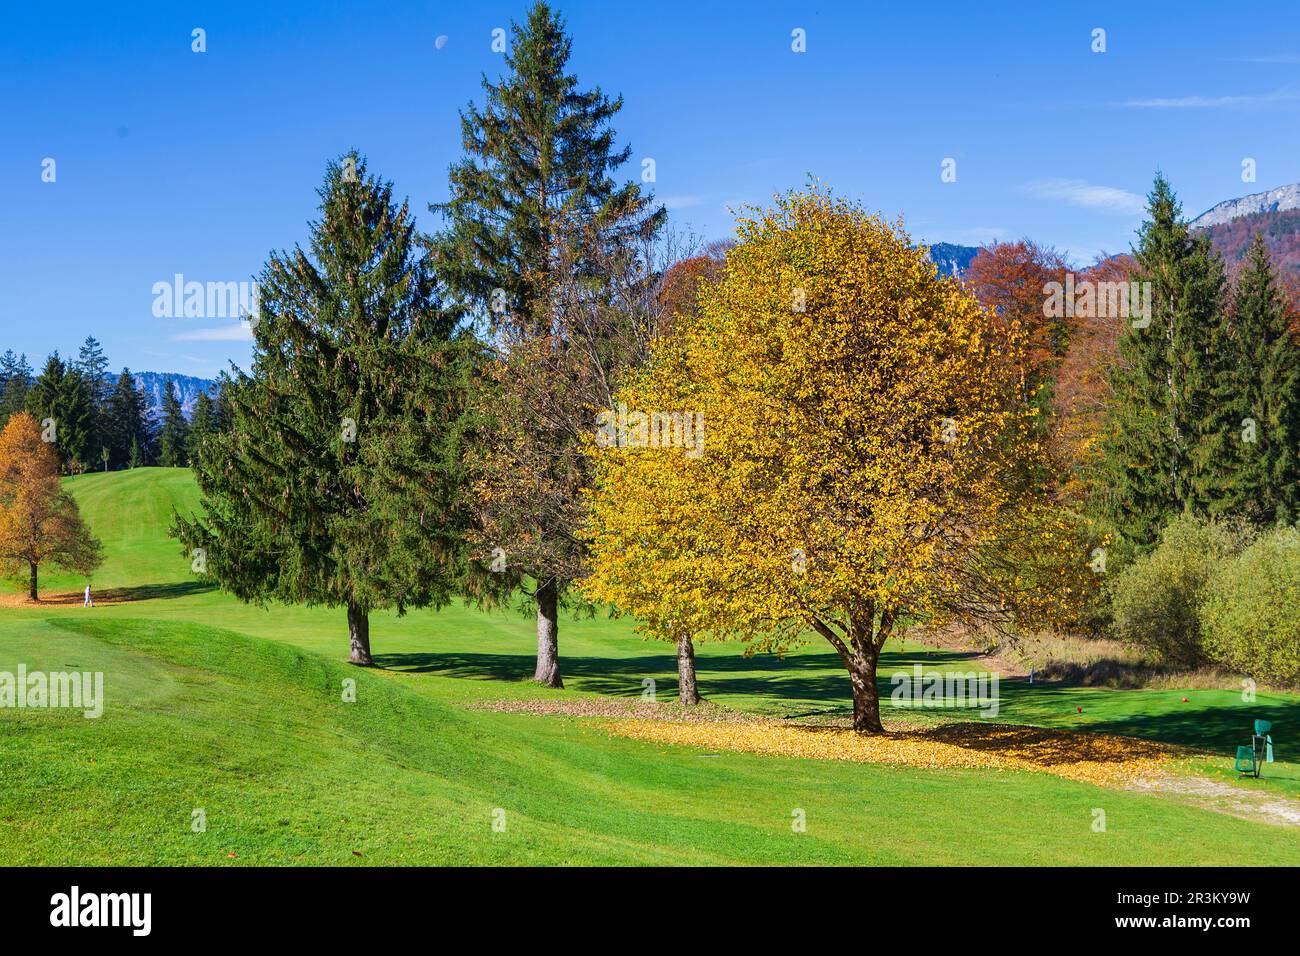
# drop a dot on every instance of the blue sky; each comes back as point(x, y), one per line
point(170, 161)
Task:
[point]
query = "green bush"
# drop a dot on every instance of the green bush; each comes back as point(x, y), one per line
point(1155, 601)
point(1250, 617)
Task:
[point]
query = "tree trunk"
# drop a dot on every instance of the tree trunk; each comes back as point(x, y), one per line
point(866, 698)
point(688, 692)
point(548, 635)
point(359, 636)
point(31, 588)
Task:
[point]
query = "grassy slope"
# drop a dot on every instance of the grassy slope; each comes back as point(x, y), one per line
point(203, 711)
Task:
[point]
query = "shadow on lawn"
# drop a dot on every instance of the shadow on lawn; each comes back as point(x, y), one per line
point(797, 681)
point(110, 596)
point(798, 678)
point(155, 592)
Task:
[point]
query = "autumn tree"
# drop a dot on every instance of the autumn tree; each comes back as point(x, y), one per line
point(539, 239)
point(39, 521)
point(866, 460)
point(1011, 280)
point(338, 480)
point(652, 551)
point(1082, 391)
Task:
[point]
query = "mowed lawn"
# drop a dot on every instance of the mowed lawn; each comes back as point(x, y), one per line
point(238, 712)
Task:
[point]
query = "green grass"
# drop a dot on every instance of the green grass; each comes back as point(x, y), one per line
point(238, 710)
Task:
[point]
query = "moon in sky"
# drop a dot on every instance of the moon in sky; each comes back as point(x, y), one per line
point(440, 42)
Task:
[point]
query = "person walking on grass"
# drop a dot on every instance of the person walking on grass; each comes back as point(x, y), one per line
point(88, 602)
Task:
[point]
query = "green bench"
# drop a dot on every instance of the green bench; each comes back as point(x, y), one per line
point(1260, 751)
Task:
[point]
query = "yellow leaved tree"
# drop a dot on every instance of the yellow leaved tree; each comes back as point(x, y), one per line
point(867, 462)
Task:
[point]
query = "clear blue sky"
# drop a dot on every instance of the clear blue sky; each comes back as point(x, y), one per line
point(170, 161)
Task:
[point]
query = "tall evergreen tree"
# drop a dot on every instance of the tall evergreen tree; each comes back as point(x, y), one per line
point(1167, 409)
point(61, 397)
point(1265, 435)
point(92, 364)
point(339, 481)
point(15, 383)
point(126, 423)
point(174, 439)
point(534, 214)
point(1207, 404)
point(202, 424)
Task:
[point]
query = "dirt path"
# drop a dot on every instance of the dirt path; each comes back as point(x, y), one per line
point(1224, 798)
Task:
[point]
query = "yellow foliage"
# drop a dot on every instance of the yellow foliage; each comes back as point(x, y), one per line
point(866, 459)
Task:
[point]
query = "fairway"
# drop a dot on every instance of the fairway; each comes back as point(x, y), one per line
point(236, 714)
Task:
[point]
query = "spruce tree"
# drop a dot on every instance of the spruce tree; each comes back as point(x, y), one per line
point(92, 363)
point(1266, 384)
point(61, 396)
point(202, 424)
point(338, 483)
point(126, 423)
point(1168, 407)
point(15, 383)
point(174, 439)
point(1207, 403)
point(535, 220)
point(538, 156)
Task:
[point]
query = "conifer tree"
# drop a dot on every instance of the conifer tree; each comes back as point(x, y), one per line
point(338, 483)
point(1168, 403)
point(1205, 377)
point(202, 424)
point(92, 363)
point(15, 383)
point(174, 440)
point(126, 423)
point(1266, 384)
point(536, 220)
point(61, 397)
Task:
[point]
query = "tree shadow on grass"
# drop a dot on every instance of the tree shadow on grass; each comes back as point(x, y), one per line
point(816, 685)
point(154, 592)
point(111, 596)
point(796, 678)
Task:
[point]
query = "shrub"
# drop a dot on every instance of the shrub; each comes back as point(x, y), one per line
point(1250, 617)
point(1155, 600)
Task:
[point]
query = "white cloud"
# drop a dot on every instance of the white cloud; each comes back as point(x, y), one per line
point(239, 332)
point(1248, 101)
point(1078, 192)
point(1280, 58)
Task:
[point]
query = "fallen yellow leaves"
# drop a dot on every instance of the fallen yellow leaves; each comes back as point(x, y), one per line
point(1090, 758)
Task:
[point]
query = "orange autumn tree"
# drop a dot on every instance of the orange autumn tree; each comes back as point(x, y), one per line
point(1009, 279)
point(39, 521)
point(867, 462)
